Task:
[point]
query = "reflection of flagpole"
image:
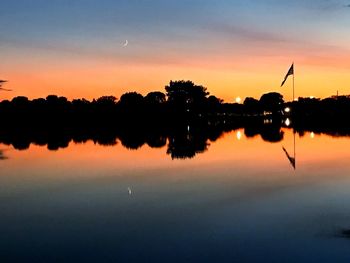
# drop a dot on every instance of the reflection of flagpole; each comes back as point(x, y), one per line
point(295, 162)
point(291, 159)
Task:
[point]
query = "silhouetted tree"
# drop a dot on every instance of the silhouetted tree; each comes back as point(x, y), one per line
point(136, 120)
point(19, 110)
point(105, 110)
point(272, 102)
point(251, 106)
point(185, 96)
point(107, 100)
point(155, 97)
point(214, 104)
point(214, 100)
point(132, 108)
point(131, 100)
point(20, 101)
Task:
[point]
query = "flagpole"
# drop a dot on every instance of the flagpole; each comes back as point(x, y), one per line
point(294, 131)
point(293, 80)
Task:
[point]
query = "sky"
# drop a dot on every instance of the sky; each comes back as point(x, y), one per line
point(236, 48)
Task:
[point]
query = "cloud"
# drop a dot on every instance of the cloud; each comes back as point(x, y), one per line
point(244, 33)
point(140, 52)
point(5, 89)
point(2, 82)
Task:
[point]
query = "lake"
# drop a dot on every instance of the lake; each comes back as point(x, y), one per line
point(240, 200)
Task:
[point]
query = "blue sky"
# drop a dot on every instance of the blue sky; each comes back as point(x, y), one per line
point(87, 22)
point(171, 32)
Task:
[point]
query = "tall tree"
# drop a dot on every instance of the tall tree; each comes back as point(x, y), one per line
point(186, 95)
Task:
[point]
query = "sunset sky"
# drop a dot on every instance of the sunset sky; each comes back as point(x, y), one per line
point(74, 48)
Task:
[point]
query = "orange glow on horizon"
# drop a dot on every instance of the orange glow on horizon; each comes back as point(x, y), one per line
point(224, 79)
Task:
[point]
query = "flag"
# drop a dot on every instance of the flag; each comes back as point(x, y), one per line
point(290, 72)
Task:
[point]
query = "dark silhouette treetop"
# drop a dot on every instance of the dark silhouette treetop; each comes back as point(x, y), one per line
point(131, 99)
point(155, 97)
point(272, 101)
point(20, 100)
point(249, 101)
point(80, 102)
point(107, 100)
point(181, 92)
point(215, 100)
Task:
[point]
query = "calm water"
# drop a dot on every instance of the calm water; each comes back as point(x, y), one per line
point(240, 201)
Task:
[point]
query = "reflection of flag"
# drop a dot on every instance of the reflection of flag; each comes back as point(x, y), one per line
point(290, 72)
point(291, 159)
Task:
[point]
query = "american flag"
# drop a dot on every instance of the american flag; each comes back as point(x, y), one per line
point(290, 72)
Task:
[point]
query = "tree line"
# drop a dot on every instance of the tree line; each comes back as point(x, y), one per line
point(185, 119)
point(182, 102)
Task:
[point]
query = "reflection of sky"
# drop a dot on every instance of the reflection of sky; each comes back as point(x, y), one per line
point(239, 200)
point(233, 149)
point(243, 44)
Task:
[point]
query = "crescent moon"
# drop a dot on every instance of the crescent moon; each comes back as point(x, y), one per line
point(126, 43)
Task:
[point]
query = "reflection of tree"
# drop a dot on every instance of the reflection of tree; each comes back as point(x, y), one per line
point(155, 119)
point(21, 143)
point(156, 141)
point(272, 134)
point(251, 131)
point(182, 146)
point(132, 140)
point(182, 141)
point(105, 138)
point(56, 142)
point(2, 156)
point(345, 233)
point(269, 133)
point(185, 143)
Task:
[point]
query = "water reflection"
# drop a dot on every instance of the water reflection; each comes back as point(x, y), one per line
point(180, 143)
point(239, 135)
point(268, 132)
point(239, 200)
point(2, 156)
point(312, 135)
point(291, 158)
